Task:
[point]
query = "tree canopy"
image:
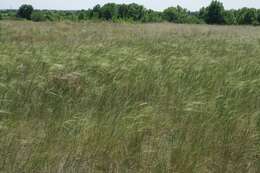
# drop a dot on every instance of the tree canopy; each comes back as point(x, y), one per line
point(215, 13)
point(25, 11)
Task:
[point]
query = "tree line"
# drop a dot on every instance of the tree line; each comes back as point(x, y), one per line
point(215, 13)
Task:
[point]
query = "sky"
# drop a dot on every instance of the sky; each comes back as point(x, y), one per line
point(151, 4)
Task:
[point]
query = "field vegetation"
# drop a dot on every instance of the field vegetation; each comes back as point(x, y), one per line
point(129, 98)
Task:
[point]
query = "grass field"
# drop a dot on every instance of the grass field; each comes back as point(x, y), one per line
point(129, 98)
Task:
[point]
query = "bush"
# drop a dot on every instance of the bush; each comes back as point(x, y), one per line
point(81, 16)
point(38, 17)
point(193, 20)
point(25, 11)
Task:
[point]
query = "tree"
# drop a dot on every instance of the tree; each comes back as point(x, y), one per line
point(152, 16)
point(25, 11)
point(87, 14)
point(212, 14)
point(96, 12)
point(229, 17)
point(175, 14)
point(258, 16)
point(247, 16)
point(215, 13)
point(123, 11)
point(170, 14)
point(109, 11)
point(202, 13)
point(250, 16)
point(136, 12)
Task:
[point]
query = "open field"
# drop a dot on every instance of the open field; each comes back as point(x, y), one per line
point(129, 98)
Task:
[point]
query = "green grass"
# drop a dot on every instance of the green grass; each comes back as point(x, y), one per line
point(129, 98)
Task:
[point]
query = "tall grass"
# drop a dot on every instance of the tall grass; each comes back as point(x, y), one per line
point(101, 97)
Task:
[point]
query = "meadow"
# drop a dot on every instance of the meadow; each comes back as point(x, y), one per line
point(129, 98)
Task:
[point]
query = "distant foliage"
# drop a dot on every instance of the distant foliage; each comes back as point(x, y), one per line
point(81, 15)
point(258, 16)
point(215, 13)
point(247, 16)
point(175, 14)
point(25, 11)
point(152, 16)
point(230, 17)
point(109, 11)
point(136, 12)
point(38, 17)
point(95, 12)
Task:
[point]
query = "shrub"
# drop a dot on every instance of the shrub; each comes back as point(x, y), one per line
point(193, 20)
point(38, 17)
point(81, 16)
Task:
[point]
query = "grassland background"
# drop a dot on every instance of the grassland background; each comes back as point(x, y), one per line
point(127, 98)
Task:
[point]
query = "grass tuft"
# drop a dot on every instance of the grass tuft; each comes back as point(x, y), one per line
point(103, 97)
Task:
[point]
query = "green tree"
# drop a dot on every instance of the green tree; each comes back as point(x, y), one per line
point(250, 16)
point(229, 17)
point(87, 14)
point(25, 11)
point(152, 16)
point(215, 13)
point(170, 14)
point(175, 14)
point(247, 16)
point(123, 11)
point(136, 12)
point(202, 13)
point(109, 11)
point(96, 12)
point(258, 15)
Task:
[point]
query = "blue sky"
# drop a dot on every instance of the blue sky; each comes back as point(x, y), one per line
point(153, 4)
